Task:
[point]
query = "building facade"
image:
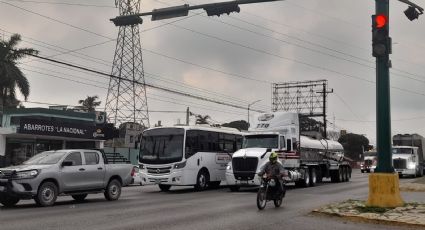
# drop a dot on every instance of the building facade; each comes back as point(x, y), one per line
point(25, 132)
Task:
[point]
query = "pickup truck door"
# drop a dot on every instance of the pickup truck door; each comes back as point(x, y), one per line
point(73, 176)
point(94, 170)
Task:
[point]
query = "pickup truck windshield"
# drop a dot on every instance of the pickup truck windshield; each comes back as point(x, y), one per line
point(260, 141)
point(45, 158)
point(162, 146)
point(402, 151)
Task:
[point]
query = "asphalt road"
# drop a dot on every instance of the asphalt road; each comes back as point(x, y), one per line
point(144, 207)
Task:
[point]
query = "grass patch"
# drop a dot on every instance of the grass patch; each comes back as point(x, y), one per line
point(365, 209)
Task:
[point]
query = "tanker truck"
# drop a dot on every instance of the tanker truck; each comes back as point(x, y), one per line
point(307, 159)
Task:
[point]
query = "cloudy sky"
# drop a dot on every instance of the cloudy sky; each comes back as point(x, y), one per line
point(234, 58)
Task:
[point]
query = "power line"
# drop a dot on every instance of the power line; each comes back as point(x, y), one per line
point(181, 93)
point(62, 3)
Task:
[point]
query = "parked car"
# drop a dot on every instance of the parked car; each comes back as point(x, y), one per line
point(136, 177)
point(63, 172)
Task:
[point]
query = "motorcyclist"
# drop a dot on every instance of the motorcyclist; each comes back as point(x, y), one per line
point(274, 169)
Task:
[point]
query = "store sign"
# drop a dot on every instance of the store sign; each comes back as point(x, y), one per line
point(53, 128)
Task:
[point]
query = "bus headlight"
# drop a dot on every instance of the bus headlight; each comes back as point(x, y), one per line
point(180, 165)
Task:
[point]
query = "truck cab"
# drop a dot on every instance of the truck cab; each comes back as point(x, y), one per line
point(406, 161)
point(369, 163)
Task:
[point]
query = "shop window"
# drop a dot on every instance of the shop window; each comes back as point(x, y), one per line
point(92, 158)
point(75, 157)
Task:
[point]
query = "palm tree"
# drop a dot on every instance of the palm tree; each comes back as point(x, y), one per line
point(10, 74)
point(202, 119)
point(89, 104)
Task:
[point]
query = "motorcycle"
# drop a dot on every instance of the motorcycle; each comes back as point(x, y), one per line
point(269, 191)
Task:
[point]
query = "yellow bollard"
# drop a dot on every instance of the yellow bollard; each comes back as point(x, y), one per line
point(384, 190)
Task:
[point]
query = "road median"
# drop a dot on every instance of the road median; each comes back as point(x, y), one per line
point(410, 214)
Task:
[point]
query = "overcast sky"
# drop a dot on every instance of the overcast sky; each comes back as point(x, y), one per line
point(288, 41)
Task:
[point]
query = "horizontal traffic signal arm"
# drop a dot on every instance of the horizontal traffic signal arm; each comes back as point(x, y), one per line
point(212, 9)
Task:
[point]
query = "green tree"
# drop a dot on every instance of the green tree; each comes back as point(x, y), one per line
point(240, 125)
point(354, 145)
point(89, 104)
point(11, 77)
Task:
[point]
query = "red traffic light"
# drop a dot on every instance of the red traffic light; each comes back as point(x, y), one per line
point(381, 21)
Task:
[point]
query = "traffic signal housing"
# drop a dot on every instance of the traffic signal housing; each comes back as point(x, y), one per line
point(381, 42)
point(219, 9)
point(411, 13)
point(127, 20)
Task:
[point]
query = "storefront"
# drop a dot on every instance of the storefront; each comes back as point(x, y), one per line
point(27, 132)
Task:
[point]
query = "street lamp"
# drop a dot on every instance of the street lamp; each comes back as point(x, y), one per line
point(249, 105)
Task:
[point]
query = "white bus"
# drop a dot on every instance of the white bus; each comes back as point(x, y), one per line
point(187, 155)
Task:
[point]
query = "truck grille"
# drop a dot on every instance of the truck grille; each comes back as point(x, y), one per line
point(244, 168)
point(399, 163)
point(159, 171)
point(6, 174)
point(368, 162)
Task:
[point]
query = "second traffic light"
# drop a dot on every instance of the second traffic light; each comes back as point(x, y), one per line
point(381, 42)
point(219, 9)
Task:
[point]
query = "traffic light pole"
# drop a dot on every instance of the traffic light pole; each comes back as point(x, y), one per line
point(383, 102)
point(384, 188)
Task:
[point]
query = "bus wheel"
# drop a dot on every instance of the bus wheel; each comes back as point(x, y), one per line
point(202, 180)
point(164, 187)
point(214, 184)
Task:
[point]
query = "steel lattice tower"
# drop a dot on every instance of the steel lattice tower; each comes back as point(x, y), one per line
point(126, 100)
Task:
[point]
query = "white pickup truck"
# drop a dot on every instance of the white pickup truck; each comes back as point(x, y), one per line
point(74, 172)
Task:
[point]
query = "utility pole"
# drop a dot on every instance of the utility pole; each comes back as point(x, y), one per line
point(325, 122)
point(384, 183)
point(187, 116)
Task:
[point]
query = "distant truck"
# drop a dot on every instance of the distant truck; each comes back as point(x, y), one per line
point(307, 160)
point(408, 154)
point(369, 162)
point(75, 172)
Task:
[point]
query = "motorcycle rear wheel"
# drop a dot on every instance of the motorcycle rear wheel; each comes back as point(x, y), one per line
point(278, 202)
point(261, 199)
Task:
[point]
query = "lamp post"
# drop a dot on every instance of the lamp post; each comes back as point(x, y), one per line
point(249, 105)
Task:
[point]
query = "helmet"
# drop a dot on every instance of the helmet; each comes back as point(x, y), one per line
point(273, 157)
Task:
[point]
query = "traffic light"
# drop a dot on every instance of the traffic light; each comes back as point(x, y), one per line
point(219, 9)
point(381, 42)
point(127, 20)
point(411, 13)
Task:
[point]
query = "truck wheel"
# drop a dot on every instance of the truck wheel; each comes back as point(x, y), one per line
point(306, 181)
point(202, 180)
point(347, 174)
point(47, 194)
point(313, 177)
point(113, 190)
point(79, 197)
point(334, 176)
point(164, 187)
point(234, 188)
point(8, 201)
point(340, 174)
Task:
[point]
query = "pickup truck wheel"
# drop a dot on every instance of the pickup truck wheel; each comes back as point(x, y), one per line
point(80, 197)
point(8, 201)
point(234, 188)
point(164, 187)
point(47, 194)
point(113, 190)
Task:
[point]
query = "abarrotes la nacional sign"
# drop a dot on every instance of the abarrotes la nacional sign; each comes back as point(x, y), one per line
point(54, 128)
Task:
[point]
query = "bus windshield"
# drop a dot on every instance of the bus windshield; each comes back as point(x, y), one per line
point(260, 141)
point(402, 151)
point(162, 146)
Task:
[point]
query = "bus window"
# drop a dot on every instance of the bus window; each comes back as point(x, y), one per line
point(192, 143)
